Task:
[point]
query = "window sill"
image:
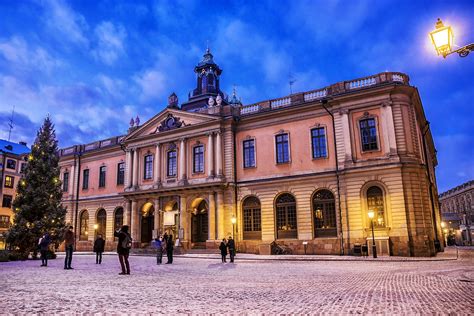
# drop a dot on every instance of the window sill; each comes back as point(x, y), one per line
point(320, 158)
point(283, 163)
point(371, 151)
point(250, 167)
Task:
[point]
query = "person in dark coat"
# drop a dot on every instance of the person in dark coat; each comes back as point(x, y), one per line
point(231, 246)
point(223, 249)
point(99, 246)
point(123, 248)
point(69, 247)
point(169, 249)
point(44, 246)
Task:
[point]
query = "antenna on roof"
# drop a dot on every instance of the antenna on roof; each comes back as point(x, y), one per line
point(10, 124)
point(291, 81)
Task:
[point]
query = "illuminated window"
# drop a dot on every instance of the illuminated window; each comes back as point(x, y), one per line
point(4, 221)
point(101, 222)
point(324, 214)
point(375, 203)
point(84, 225)
point(9, 181)
point(286, 216)
point(118, 219)
point(252, 219)
point(368, 134)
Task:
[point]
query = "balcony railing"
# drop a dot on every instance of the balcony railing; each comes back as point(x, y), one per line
point(278, 103)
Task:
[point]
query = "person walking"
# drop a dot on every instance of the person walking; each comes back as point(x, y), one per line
point(223, 249)
point(169, 249)
point(231, 246)
point(44, 246)
point(99, 246)
point(123, 248)
point(69, 247)
point(158, 243)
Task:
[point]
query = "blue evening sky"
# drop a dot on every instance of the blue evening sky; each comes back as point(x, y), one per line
point(92, 65)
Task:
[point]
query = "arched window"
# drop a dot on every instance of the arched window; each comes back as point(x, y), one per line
point(101, 222)
point(252, 218)
point(324, 214)
point(84, 225)
point(118, 219)
point(286, 216)
point(375, 203)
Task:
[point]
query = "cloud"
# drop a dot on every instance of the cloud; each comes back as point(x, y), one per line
point(19, 54)
point(152, 84)
point(110, 42)
point(65, 22)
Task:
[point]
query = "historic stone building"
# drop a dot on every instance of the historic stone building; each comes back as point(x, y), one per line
point(12, 162)
point(301, 169)
point(457, 212)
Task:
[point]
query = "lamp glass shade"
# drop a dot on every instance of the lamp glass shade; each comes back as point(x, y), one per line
point(371, 214)
point(233, 220)
point(442, 38)
point(96, 226)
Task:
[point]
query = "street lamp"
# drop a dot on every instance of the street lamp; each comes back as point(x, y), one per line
point(374, 248)
point(442, 38)
point(233, 220)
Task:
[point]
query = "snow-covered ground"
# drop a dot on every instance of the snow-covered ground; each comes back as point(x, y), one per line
point(193, 285)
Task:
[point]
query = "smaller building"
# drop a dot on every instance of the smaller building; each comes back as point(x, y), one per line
point(457, 212)
point(13, 158)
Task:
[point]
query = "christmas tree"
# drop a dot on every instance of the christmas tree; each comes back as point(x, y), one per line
point(37, 205)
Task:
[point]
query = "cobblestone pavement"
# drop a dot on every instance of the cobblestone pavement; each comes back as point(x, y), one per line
point(247, 286)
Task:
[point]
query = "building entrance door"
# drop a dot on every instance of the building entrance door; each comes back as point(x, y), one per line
point(147, 223)
point(200, 223)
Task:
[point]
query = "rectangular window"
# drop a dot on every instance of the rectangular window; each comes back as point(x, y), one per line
point(102, 177)
point(368, 134)
point(148, 170)
point(121, 173)
point(7, 201)
point(23, 167)
point(4, 221)
point(198, 159)
point(9, 181)
point(282, 148)
point(85, 179)
point(249, 153)
point(65, 181)
point(11, 164)
point(171, 172)
point(318, 142)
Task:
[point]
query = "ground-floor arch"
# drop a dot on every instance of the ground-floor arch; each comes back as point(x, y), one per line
point(147, 222)
point(199, 221)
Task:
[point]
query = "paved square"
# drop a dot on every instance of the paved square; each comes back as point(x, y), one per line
point(207, 286)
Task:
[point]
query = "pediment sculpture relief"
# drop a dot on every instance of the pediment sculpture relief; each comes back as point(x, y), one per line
point(169, 123)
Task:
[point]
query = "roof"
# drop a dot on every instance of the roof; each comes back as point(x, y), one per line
point(13, 148)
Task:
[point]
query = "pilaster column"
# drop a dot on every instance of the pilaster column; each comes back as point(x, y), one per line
point(71, 181)
point(156, 218)
point(212, 217)
point(128, 175)
point(346, 135)
point(182, 160)
point(210, 156)
point(219, 154)
point(183, 218)
point(135, 222)
point(220, 215)
point(157, 168)
point(135, 168)
point(127, 214)
point(390, 127)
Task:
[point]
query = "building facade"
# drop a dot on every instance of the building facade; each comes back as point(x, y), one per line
point(457, 212)
point(303, 170)
point(12, 162)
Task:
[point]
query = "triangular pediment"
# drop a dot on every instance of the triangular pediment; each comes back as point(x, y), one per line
point(170, 119)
